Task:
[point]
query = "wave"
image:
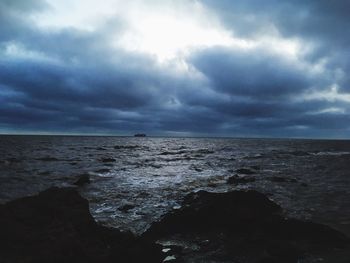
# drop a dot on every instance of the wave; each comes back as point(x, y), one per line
point(326, 153)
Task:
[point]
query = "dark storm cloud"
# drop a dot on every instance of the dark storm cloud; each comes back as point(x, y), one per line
point(324, 24)
point(13, 17)
point(78, 83)
point(251, 73)
point(259, 90)
point(70, 92)
point(70, 80)
point(313, 19)
point(266, 117)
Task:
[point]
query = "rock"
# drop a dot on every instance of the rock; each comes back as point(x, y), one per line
point(82, 180)
point(243, 226)
point(235, 179)
point(245, 171)
point(169, 258)
point(203, 210)
point(56, 226)
point(267, 259)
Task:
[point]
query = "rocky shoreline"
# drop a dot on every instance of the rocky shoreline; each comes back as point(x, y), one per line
point(237, 226)
point(56, 226)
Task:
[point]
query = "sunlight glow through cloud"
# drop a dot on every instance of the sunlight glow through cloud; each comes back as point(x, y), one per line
point(167, 37)
point(158, 30)
point(331, 94)
point(74, 14)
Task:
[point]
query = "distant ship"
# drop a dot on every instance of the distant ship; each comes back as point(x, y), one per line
point(140, 135)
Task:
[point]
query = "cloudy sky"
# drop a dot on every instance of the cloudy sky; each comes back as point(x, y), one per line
point(176, 67)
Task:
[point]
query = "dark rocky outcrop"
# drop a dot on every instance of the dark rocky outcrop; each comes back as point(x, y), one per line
point(56, 226)
point(243, 226)
point(238, 226)
point(204, 210)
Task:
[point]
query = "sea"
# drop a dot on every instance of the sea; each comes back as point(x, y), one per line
point(136, 180)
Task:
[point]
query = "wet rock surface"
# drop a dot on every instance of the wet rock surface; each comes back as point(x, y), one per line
point(56, 226)
point(236, 226)
point(244, 226)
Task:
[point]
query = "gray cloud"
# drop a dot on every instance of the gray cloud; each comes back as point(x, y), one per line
point(314, 19)
point(69, 80)
point(321, 23)
point(252, 73)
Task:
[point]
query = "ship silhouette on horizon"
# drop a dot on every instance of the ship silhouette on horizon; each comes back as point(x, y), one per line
point(140, 135)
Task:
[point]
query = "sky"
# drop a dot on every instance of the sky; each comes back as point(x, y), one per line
point(240, 68)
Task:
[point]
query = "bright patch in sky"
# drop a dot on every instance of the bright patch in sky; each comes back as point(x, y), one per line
point(84, 15)
point(168, 37)
point(167, 30)
point(18, 51)
point(332, 94)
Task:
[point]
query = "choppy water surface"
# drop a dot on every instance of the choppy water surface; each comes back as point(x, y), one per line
point(153, 174)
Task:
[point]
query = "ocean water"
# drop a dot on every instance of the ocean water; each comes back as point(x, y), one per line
point(152, 175)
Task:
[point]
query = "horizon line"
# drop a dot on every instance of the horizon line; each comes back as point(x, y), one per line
point(173, 136)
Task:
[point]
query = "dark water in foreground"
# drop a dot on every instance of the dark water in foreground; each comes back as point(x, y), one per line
point(153, 174)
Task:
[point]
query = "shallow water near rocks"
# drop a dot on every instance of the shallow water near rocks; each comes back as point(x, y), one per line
point(150, 176)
